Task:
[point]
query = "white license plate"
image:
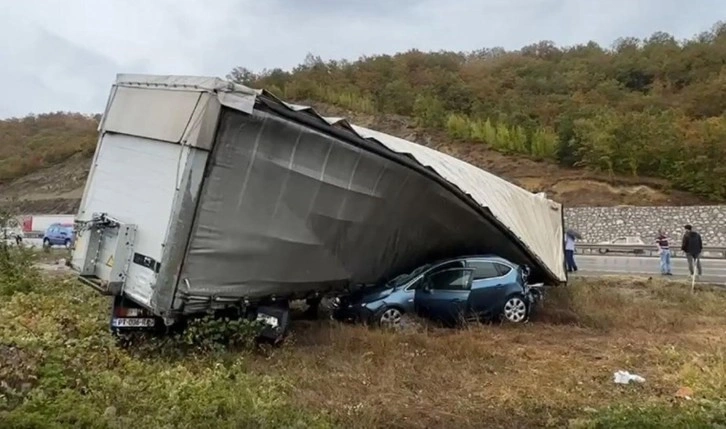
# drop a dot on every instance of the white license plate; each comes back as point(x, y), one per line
point(268, 320)
point(133, 322)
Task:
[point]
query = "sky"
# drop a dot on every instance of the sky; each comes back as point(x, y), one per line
point(64, 54)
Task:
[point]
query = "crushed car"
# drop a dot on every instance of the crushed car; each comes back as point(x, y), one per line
point(451, 291)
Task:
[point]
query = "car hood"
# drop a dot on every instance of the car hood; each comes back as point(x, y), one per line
point(370, 293)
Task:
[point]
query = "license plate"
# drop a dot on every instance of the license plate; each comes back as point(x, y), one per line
point(268, 320)
point(135, 322)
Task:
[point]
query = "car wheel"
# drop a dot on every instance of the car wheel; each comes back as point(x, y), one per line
point(515, 309)
point(602, 251)
point(390, 317)
point(46, 243)
point(68, 243)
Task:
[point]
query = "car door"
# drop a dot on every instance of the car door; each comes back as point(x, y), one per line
point(64, 234)
point(444, 295)
point(489, 285)
point(51, 234)
point(57, 236)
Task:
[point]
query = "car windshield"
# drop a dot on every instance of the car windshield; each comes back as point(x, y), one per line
point(404, 278)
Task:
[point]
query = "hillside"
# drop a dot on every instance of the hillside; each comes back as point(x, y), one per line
point(641, 123)
point(44, 160)
point(39, 141)
point(58, 187)
point(642, 108)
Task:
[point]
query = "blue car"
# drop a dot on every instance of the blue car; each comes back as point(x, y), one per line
point(59, 234)
point(450, 291)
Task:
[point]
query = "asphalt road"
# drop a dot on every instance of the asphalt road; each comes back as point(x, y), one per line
point(714, 270)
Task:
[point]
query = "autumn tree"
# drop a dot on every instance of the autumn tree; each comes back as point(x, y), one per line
point(650, 107)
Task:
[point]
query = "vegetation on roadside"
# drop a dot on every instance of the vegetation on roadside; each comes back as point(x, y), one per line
point(60, 368)
point(652, 107)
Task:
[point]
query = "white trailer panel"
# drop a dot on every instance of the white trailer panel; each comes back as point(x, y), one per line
point(135, 181)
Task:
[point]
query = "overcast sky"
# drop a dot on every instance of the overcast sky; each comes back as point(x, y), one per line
point(64, 54)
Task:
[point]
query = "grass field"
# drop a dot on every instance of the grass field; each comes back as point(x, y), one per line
point(59, 367)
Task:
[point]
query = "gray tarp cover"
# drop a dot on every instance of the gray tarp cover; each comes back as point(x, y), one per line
point(286, 209)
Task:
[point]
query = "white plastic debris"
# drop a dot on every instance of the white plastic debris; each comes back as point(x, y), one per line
point(624, 377)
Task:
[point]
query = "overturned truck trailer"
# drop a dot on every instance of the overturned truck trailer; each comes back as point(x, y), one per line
point(204, 195)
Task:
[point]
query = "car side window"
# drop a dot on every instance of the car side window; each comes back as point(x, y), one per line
point(448, 266)
point(484, 270)
point(415, 285)
point(452, 279)
point(503, 269)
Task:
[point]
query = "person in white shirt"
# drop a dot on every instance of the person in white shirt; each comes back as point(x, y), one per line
point(570, 253)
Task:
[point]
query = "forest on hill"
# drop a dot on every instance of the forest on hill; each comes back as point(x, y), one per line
point(652, 107)
point(37, 141)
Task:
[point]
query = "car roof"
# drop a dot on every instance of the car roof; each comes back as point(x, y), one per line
point(486, 256)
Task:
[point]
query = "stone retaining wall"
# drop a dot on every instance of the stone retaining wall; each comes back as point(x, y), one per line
point(604, 223)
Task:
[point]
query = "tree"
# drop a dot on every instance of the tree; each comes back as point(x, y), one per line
point(242, 75)
point(624, 110)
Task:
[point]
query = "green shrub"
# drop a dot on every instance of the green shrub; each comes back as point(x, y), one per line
point(210, 333)
point(17, 273)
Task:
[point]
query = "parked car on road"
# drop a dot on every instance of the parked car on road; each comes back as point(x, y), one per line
point(630, 240)
point(449, 291)
point(59, 234)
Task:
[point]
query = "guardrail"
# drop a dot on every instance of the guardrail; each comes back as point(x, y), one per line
point(642, 250)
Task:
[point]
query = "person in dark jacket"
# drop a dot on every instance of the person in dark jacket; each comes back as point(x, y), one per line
point(692, 246)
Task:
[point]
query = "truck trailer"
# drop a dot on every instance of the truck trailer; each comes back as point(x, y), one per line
point(205, 195)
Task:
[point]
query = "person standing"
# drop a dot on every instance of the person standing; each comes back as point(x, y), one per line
point(692, 246)
point(570, 252)
point(664, 251)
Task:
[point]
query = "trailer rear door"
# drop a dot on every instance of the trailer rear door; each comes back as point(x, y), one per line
point(133, 181)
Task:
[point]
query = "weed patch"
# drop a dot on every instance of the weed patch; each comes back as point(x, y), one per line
point(61, 368)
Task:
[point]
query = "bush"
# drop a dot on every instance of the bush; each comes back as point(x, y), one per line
point(458, 126)
point(17, 273)
point(210, 333)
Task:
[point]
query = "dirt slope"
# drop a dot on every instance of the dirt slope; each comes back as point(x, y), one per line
point(58, 189)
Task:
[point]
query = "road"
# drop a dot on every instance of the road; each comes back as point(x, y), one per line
point(714, 270)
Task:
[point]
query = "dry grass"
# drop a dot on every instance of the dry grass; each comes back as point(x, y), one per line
point(59, 364)
point(558, 368)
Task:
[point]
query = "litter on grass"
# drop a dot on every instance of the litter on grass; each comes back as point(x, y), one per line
point(624, 377)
